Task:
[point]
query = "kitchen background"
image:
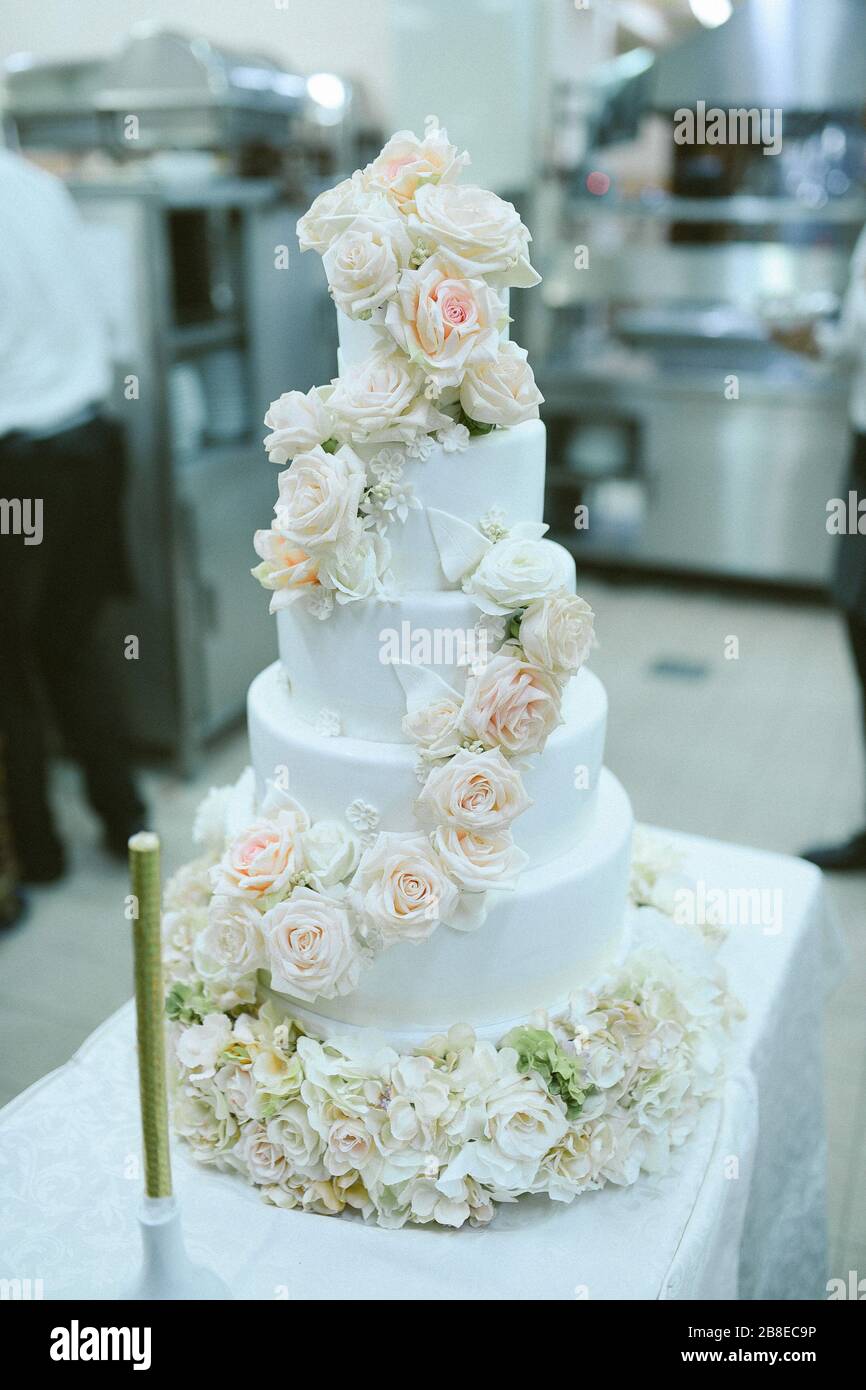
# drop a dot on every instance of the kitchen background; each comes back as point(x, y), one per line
point(675, 275)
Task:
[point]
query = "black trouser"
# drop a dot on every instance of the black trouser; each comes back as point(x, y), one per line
point(51, 597)
point(857, 638)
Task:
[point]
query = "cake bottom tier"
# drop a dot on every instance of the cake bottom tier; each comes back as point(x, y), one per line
point(554, 933)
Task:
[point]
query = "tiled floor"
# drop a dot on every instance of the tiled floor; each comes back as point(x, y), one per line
point(759, 745)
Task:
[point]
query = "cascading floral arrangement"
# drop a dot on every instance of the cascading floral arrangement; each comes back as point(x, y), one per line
point(423, 263)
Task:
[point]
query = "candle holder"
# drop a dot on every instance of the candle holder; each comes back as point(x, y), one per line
point(166, 1272)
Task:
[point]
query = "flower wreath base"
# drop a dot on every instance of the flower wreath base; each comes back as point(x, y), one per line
point(601, 1091)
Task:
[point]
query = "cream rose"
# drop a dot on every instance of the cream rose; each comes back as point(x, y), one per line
point(311, 949)
point(330, 852)
point(231, 944)
point(335, 210)
point(513, 572)
point(556, 632)
point(480, 792)
point(297, 423)
point(511, 704)
point(319, 498)
point(363, 265)
point(406, 164)
point(401, 887)
point(265, 1160)
point(477, 862)
point(286, 570)
point(443, 320)
point(382, 401)
point(261, 861)
point(479, 232)
point(435, 727)
point(501, 391)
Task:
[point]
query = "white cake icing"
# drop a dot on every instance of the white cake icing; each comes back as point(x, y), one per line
point(575, 903)
point(326, 774)
point(427, 844)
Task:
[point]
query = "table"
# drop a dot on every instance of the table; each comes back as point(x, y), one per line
point(740, 1214)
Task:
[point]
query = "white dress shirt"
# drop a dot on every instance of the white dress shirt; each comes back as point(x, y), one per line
point(54, 345)
point(847, 337)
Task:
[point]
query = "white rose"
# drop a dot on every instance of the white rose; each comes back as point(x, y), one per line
point(479, 232)
point(477, 862)
point(556, 632)
point(290, 1131)
point(350, 1147)
point(335, 210)
point(522, 1119)
point(511, 704)
point(406, 164)
point(257, 1155)
point(190, 886)
point(262, 860)
point(401, 887)
point(319, 498)
point(513, 572)
point(236, 1084)
point(355, 571)
point(442, 320)
point(231, 945)
point(502, 390)
point(199, 1046)
point(286, 570)
point(311, 950)
point(436, 727)
point(330, 852)
point(480, 792)
point(363, 265)
point(297, 423)
point(381, 401)
point(209, 1134)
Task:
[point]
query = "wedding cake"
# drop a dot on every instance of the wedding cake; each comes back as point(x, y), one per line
point(412, 972)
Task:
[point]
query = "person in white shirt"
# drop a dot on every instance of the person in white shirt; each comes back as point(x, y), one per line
point(61, 549)
point(847, 340)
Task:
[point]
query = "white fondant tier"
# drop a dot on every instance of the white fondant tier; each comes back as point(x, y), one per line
point(502, 470)
point(327, 774)
point(344, 663)
point(557, 931)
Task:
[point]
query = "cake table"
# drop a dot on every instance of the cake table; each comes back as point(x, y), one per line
point(740, 1213)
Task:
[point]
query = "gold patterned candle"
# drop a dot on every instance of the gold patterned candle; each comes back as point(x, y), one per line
point(144, 874)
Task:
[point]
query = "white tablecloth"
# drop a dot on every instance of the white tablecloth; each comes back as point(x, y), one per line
point(741, 1214)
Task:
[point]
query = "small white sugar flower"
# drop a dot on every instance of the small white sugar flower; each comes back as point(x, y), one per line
point(421, 448)
point(492, 524)
point(387, 465)
point(328, 723)
point(320, 602)
point(401, 501)
point(362, 815)
point(454, 439)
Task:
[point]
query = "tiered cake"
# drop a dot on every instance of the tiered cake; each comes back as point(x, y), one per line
point(403, 979)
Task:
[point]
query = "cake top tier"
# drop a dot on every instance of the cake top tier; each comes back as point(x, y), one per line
point(420, 264)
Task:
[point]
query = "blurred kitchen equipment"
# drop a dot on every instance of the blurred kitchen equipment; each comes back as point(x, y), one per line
point(214, 313)
point(664, 299)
